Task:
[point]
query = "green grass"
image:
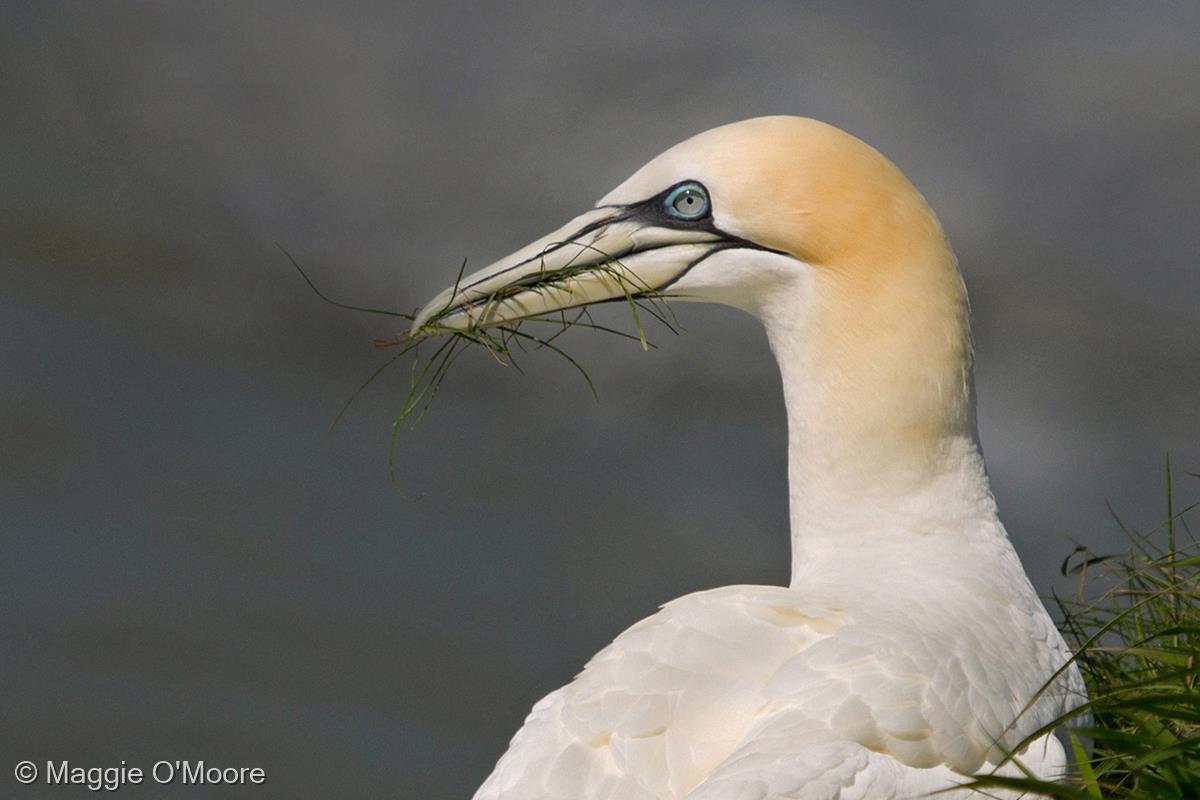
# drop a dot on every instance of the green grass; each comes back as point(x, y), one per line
point(502, 340)
point(1134, 625)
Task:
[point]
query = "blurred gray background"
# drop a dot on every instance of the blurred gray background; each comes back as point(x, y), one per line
point(194, 566)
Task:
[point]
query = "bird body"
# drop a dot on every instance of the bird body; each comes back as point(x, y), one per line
point(909, 649)
point(774, 692)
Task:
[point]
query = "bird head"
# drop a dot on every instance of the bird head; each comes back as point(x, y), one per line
point(746, 214)
point(802, 225)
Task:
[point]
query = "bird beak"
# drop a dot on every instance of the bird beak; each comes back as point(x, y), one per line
point(609, 253)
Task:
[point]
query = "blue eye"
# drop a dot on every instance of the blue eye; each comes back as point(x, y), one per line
point(687, 201)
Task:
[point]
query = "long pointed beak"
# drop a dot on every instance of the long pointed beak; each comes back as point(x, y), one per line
point(605, 254)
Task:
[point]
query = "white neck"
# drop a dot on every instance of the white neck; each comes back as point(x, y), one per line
point(884, 465)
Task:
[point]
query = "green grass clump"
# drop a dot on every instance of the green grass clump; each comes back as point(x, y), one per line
point(1135, 628)
point(502, 339)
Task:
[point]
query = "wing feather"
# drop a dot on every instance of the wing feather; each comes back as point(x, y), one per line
point(771, 692)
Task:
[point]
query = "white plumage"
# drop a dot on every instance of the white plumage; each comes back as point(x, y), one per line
point(772, 692)
point(909, 650)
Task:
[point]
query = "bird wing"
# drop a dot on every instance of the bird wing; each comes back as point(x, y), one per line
point(660, 707)
point(789, 757)
point(736, 675)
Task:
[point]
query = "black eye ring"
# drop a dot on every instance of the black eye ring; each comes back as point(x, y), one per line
point(687, 201)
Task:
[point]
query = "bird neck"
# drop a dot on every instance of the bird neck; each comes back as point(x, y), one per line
point(883, 454)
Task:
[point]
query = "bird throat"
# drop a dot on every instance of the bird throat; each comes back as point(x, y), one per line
point(883, 453)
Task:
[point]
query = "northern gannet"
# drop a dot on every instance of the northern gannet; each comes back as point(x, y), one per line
point(909, 649)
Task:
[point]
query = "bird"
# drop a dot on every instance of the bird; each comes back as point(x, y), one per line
point(909, 650)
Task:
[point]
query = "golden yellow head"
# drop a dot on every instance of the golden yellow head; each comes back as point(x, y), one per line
point(796, 185)
point(793, 220)
point(687, 221)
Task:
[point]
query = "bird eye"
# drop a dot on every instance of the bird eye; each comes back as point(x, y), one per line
point(687, 201)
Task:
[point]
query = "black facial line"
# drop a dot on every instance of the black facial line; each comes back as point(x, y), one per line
point(584, 231)
point(727, 242)
point(650, 211)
